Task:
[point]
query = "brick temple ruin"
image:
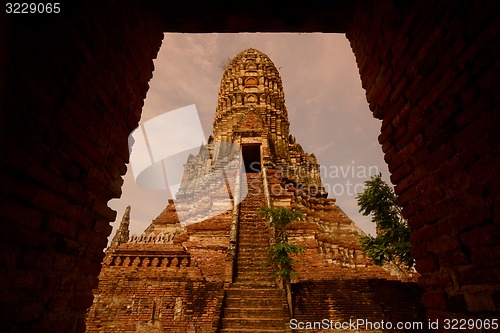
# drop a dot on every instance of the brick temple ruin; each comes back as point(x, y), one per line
point(72, 90)
point(197, 269)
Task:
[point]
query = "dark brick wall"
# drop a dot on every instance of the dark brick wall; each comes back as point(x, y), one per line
point(353, 298)
point(72, 90)
point(430, 70)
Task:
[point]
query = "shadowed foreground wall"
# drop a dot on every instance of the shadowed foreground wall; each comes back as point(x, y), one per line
point(431, 74)
point(72, 92)
point(72, 89)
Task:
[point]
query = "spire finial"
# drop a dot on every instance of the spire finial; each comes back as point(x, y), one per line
point(122, 234)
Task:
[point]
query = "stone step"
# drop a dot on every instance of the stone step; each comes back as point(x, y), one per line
point(252, 268)
point(250, 284)
point(247, 218)
point(253, 265)
point(251, 221)
point(248, 221)
point(236, 285)
point(251, 227)
point(255, 281)
point(254, 292)
point(253, 303)
point(252, 295)
point(248, 227)
point(244, 269)
point(253, 272)
point(252, 257)
point(255, 232)
point(262, 312)
point(254, 261)
point(257, 269)
point(248, 302)
point(251, 323)
point(253, 249)
point(249, 251)
point(244, 276)
point(253, 235)
point(254, 240)
point(255, 330)
point(252, 245)
point(252, 224)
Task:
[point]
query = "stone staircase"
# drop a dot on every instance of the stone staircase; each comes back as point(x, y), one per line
point(253, 303)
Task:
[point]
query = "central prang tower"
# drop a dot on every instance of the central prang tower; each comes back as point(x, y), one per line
point(251, 107)
point(251, 114)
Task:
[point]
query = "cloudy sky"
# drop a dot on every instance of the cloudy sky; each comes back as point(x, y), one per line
point(327, 108)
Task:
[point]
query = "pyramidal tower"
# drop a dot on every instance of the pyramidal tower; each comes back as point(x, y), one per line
point(251, 112)
point(198, 266)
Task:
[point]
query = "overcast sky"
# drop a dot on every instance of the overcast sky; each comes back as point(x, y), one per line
point(327, 108)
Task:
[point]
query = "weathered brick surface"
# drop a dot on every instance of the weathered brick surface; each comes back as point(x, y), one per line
point(431, 71)
point(344, 299)
point(148, 298)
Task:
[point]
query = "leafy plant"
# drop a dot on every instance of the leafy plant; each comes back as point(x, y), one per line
point(392, 243)
point(279, 254)
point(280, 260)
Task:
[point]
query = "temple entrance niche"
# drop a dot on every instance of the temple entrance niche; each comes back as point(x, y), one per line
point(251, 157)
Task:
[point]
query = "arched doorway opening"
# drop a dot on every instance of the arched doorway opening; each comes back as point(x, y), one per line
point(251, 158)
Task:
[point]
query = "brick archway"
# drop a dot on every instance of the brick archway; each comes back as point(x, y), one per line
point(74, 88)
